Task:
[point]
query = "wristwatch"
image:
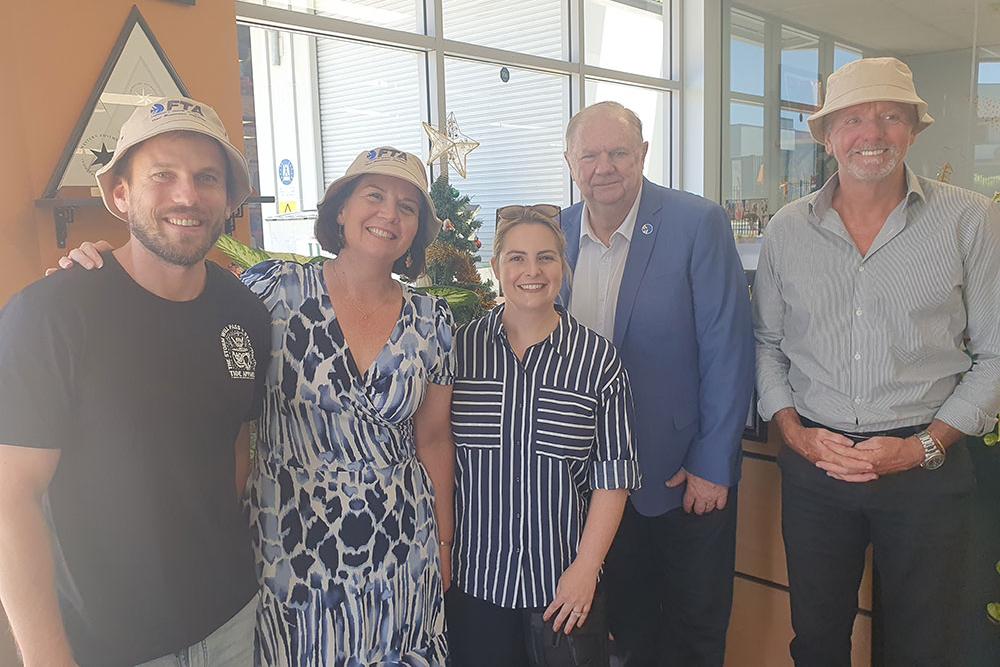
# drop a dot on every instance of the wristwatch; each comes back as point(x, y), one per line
point(933, 452)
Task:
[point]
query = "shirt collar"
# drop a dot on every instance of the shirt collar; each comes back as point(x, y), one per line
point(625, 229)
point(559, 339)
point(821, 200)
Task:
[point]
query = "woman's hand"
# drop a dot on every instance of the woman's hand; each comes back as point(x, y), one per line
point(574, 595)
point(88, 255)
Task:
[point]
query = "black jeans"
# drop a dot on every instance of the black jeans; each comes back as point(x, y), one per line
point(670, 586)
point(918, 524)
point(482, 634)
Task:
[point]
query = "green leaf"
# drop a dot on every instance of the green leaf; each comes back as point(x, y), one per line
point(993, 612)
point(244, 256)
point(464, 303)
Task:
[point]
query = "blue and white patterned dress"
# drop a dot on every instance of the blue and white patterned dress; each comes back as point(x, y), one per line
point(342, 512)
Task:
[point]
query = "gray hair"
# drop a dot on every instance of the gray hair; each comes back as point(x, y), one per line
point(612, 108)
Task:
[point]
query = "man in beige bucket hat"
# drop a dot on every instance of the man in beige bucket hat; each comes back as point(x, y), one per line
point(864, 294)
point(123, 400)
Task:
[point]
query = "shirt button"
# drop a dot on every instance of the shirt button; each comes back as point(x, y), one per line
point(858, 312)
point(861, 269)
point(857, 399)
point(517, 515)
point(857, 355)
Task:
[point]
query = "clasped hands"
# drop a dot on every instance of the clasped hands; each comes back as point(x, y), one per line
point(862, 462)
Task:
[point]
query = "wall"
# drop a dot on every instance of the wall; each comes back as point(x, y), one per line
point(50, 58)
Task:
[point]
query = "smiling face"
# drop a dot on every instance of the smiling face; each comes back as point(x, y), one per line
point(870, 140)
point(381, 217)
point(174, 195)
point(529, 267)
point(605, 155)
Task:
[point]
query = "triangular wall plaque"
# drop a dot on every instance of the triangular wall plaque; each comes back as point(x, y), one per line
point(137, 73)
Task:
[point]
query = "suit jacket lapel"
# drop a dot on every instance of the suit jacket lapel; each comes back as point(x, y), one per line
point(570, 220)
point(640, 248)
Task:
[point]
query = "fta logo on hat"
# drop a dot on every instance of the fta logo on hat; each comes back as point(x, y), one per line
point(172, 106)
point(377, 154)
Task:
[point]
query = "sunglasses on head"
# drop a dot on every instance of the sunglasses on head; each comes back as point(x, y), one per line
point(517, 211)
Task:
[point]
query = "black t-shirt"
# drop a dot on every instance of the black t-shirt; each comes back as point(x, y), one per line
point(144, 397)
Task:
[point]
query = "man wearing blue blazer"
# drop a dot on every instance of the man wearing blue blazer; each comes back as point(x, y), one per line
point(657, 272)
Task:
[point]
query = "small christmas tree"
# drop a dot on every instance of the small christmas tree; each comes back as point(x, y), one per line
point(452, 257)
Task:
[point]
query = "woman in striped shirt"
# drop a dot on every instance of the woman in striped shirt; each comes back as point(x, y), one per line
point(542, 422)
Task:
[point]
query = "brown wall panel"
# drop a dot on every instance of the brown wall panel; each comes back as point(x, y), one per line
point(760, 550)
point(761, 629)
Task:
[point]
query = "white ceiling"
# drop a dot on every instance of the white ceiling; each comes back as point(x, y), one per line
point(901, 27)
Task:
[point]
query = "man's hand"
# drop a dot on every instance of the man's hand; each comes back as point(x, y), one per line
point(88, 255)
point(889, 455)
point(701, 496)
point(832, 452)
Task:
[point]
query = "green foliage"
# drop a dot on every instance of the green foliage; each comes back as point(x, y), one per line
point(243, 256)
point(464, 303)
point(452, 258)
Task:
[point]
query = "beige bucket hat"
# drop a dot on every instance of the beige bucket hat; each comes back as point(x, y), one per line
point(389, 161)
point(869, 80)
point(171, 115)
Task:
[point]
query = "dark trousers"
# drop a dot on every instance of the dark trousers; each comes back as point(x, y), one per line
point(918, 524)
point(670, 586)
point(482, 634)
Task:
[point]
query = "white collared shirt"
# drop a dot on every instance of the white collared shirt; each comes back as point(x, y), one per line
point(599, 271)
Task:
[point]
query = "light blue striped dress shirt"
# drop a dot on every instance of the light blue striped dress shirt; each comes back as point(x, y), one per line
point(533, 438)
point(907, 333)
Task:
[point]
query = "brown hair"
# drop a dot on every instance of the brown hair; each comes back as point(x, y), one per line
point(330, 234)
point(530, 215)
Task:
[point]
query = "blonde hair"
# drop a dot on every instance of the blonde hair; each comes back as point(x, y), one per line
point(530, 216)
point(609, 107)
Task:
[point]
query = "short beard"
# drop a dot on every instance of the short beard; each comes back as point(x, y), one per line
point(874, 175)
point(175, 254)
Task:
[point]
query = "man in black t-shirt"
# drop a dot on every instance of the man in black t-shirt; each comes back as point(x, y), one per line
point(122, 393)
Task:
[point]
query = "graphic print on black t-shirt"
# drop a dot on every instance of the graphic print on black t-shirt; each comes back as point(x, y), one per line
point(144, 398)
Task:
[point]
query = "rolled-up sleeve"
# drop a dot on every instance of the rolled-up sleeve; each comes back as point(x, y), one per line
point(773, 390)
point(614, 464)
point(973, 405)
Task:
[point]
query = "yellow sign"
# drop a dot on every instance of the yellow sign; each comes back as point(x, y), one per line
point(290, 206)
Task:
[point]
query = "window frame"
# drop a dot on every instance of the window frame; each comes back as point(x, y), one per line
point(437, 47)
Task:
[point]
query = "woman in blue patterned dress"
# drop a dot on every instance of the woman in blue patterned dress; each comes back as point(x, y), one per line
point(351, 498)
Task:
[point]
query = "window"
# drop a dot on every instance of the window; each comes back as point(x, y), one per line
point(525, 26)
point(519, 124)
point(324, 79)
point(986, 177)
point(394, 14)
point(627, 36)
point(775, 82)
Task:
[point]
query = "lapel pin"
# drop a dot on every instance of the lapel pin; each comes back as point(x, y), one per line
point(647, 229)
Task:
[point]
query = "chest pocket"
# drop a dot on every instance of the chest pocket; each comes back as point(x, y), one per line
point(565, 424)
point(475, 413)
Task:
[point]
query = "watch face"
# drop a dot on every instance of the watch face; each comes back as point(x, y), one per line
point(934, 462)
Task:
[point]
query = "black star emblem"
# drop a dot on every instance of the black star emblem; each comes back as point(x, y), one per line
point(101, 157)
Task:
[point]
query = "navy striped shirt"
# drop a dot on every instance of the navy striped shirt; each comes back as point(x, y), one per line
point(533, 438)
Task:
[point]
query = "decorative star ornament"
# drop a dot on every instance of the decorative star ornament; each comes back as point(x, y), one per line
point(102, 156)
point(451, 144)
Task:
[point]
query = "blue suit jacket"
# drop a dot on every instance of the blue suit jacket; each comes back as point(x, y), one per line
point(684, 333)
